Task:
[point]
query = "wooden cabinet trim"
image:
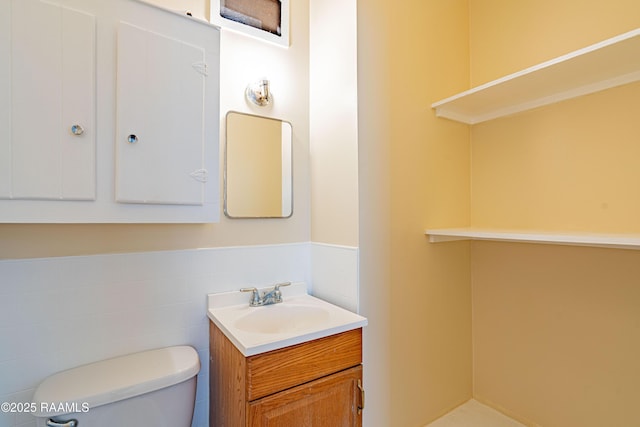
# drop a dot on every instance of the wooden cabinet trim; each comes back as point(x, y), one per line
point(281, 369)
point(227, 381)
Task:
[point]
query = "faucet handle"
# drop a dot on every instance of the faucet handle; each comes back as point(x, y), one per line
point(279, 285)
point(276, 291)
point(255, 296)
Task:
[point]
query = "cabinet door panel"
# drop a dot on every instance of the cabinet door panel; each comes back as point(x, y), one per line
point(53, 87)
point(329, 401)
point(57, 69)
point(78, 152)
point(160, 101)
point(36, 76)
point(5, 99)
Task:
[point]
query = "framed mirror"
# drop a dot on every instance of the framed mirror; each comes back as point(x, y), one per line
point(258, 168)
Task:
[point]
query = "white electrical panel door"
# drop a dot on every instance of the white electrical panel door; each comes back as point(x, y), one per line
point(160, 119)
point(109, 113)
point(49, 151)
point(5, 99)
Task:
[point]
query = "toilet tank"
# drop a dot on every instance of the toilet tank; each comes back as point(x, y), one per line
point(152, 388)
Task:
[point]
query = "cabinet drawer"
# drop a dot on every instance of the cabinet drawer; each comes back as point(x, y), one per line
point(277, 370)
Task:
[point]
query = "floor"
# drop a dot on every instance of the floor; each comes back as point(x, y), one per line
point(475, 414)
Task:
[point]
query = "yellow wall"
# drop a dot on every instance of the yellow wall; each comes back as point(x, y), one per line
point(555, 328)
point(254, 167)
point(556, 332)
point(429, 187)
point(571, 166)
point(509, 35)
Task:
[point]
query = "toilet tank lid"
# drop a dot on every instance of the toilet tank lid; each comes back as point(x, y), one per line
point(111, 380)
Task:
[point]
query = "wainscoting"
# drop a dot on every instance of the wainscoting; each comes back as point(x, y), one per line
point(58, 313)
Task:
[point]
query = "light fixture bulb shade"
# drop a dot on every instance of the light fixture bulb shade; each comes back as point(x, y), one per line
point(259, 93)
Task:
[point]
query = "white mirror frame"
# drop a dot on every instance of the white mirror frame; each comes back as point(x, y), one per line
point(282, 40)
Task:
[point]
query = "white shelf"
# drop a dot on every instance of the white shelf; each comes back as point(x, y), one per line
point(604, 65)
point(622, 241)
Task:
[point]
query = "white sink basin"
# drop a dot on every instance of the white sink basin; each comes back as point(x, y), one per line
point(282, 318)
point(300, 318)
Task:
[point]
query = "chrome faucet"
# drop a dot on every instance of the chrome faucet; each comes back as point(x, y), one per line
point(274, 296)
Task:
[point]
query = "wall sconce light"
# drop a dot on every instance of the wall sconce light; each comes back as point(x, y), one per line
point(259, 93)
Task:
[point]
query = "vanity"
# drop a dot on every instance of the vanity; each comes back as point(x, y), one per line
point(295, 363)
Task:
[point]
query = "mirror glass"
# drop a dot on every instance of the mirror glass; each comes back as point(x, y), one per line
point(257, 176)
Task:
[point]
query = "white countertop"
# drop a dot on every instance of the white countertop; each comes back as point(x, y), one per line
point(299, 318)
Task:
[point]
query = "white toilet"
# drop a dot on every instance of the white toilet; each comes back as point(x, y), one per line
point(153, 388)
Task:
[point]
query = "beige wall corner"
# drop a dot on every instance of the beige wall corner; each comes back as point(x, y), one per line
point(414, 173)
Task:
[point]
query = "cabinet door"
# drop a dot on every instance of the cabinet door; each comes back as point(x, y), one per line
point(46, 89)
point(5, 99)
point(331, 401)
point(160, 113)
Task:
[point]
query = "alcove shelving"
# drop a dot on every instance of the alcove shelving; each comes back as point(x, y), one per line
point(621, 241)
point(610, 63)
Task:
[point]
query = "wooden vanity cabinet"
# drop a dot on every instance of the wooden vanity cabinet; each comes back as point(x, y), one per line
point(313, 384)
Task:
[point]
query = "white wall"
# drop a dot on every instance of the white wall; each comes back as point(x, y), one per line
point(57, 313)
point(374, 152)
point(245, 60)
point(333, 121)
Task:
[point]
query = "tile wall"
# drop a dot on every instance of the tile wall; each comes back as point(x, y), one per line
point(335, 274)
